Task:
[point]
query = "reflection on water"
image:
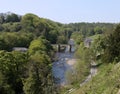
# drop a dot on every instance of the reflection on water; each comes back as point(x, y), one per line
point(60, 67)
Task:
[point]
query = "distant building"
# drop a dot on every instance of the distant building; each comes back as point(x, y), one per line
point(21, 49)
point(87, 42)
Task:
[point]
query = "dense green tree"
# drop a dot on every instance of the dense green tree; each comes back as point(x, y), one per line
point(2, 19)
point(88, 29)
point(78, 37)
point(98, 46)
point(1, 27)
point(6, 27)
point(40, 45)
point(12, 67)
point(24, 39)
point(12, 18)
point(98, 30)
point(32, 23)
point(91, 32)
point(29, 22)
point(15, 39)
point(15, 27)
point(112, 50)
point(53, 36)
point(61, 40)
point(11, 27)
point(39, 80)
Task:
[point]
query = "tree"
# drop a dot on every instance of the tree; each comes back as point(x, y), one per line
point(53, 36)
point(15, 39)
point(12, 67)
point(2, 19)
point(40, 45)
point(112, 50)
point(61, 40)
point(39, 80)
point(78, 37)
point(98, 30)
point(98, 47)
point(29, 22)
point(12, 18)
point(15, 27)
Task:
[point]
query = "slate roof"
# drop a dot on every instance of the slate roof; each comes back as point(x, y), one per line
point(21, 49)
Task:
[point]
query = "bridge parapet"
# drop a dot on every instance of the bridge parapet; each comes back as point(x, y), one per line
point(61, 47)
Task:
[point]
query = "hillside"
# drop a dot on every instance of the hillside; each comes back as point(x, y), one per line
point(107, 81)
point(19, 74)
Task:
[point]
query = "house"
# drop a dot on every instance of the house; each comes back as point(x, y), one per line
point(21, 49)
point(87, 42)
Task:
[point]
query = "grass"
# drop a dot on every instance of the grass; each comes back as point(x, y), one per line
point(107, 81)
point(95, 36)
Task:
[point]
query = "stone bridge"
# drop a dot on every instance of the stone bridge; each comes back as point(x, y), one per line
point(61, 47)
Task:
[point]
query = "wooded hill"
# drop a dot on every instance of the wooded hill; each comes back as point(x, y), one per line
point(29, 26)
point(30, 72)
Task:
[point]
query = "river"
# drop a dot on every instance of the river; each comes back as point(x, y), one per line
point(60, 66)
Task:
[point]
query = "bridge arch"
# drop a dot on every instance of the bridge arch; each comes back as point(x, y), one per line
point(60, 47)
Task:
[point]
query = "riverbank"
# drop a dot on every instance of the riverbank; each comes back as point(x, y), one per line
point(92, 73)
point(71, 62)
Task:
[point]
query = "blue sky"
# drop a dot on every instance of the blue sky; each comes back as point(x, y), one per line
point(66, 11)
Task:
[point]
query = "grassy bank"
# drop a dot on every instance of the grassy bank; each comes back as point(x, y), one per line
point(107, 81)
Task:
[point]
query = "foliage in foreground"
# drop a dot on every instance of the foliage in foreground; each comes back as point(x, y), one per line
point(12, 71)
point(107, 81)
point(112, 50)
point(27, 72)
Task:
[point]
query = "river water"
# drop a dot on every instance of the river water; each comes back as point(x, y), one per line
point(60, 67)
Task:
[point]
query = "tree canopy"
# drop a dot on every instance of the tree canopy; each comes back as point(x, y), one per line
point(112, 50)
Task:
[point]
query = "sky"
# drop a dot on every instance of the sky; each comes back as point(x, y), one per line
point(66, 11)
